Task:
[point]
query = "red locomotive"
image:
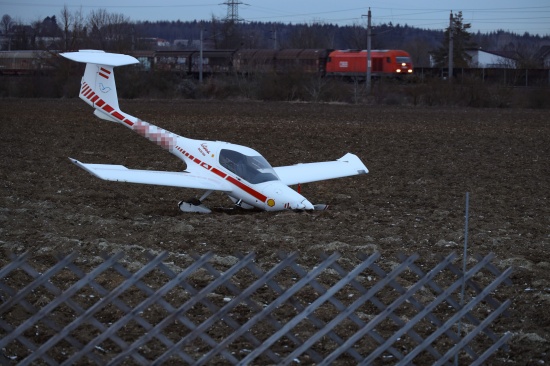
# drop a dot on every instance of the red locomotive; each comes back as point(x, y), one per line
point(383, 62)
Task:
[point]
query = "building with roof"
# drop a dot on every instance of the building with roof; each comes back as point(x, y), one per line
point(491, 59)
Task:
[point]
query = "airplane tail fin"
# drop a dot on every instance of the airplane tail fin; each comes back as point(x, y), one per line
point(98, 87)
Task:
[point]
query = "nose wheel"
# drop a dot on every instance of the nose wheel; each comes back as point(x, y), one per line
point(320, 207)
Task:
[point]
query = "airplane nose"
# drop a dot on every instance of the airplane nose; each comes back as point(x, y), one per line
point(281, 197)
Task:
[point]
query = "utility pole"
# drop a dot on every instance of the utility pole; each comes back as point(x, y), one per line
point(369, 63)
point(274, 32)
point(451, 46)
point(200, 58)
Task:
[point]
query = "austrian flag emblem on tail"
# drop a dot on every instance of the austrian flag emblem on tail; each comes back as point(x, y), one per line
point(103, 72)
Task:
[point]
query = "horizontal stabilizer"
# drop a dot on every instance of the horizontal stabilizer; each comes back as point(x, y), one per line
point(120, 173)
point(100, 58)
point(347, 165)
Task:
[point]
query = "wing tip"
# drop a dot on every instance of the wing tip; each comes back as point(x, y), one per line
point(356, 161)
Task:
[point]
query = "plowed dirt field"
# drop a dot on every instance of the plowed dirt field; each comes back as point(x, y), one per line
point(422, 163)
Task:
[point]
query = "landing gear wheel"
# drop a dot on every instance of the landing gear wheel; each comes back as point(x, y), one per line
point(193, 205)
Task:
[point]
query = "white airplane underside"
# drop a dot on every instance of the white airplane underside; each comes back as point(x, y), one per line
point(213, 166)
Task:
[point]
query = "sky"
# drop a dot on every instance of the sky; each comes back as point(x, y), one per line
point(522, 16)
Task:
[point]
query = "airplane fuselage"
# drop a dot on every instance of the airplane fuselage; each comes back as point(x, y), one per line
point(248, 177)
point(259, 187)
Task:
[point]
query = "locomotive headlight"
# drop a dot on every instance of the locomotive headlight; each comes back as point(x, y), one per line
point(398, 70)
point(403, 64)
point(410, 71)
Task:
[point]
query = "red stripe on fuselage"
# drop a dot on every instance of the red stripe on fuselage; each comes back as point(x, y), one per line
point(247, 189)
point(219, 172)
point(118, 115)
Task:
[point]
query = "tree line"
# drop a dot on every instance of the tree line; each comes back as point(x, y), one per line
point(100, 29)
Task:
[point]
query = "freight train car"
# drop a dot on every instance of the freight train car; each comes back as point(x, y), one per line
point(25, 62)
point(250, 61)
point(353, 63)
point(311, 61)
point(187, 62)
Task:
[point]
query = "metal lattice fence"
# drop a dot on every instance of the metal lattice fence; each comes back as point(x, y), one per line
point(120, 312)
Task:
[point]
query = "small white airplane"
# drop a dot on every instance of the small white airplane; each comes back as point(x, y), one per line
point(238, 171)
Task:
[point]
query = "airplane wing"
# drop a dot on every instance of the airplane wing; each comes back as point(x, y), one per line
point(346, 166)
point(120, 173)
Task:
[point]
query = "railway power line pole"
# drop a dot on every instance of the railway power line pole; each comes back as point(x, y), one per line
point(201, 58)
point(451, 55)
point(369, 63)
point(274, 38)
point(368, 75)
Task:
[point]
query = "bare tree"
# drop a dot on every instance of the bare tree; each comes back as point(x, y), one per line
point(120, 32)
point(315, 87)
point(6, 24)
point(420, 52)
point(110, 31)
point(525, 54)
point(72, 27)
point(98, 21)
point(36, 33)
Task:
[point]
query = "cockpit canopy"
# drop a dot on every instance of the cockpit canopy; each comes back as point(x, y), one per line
point(253, 169)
